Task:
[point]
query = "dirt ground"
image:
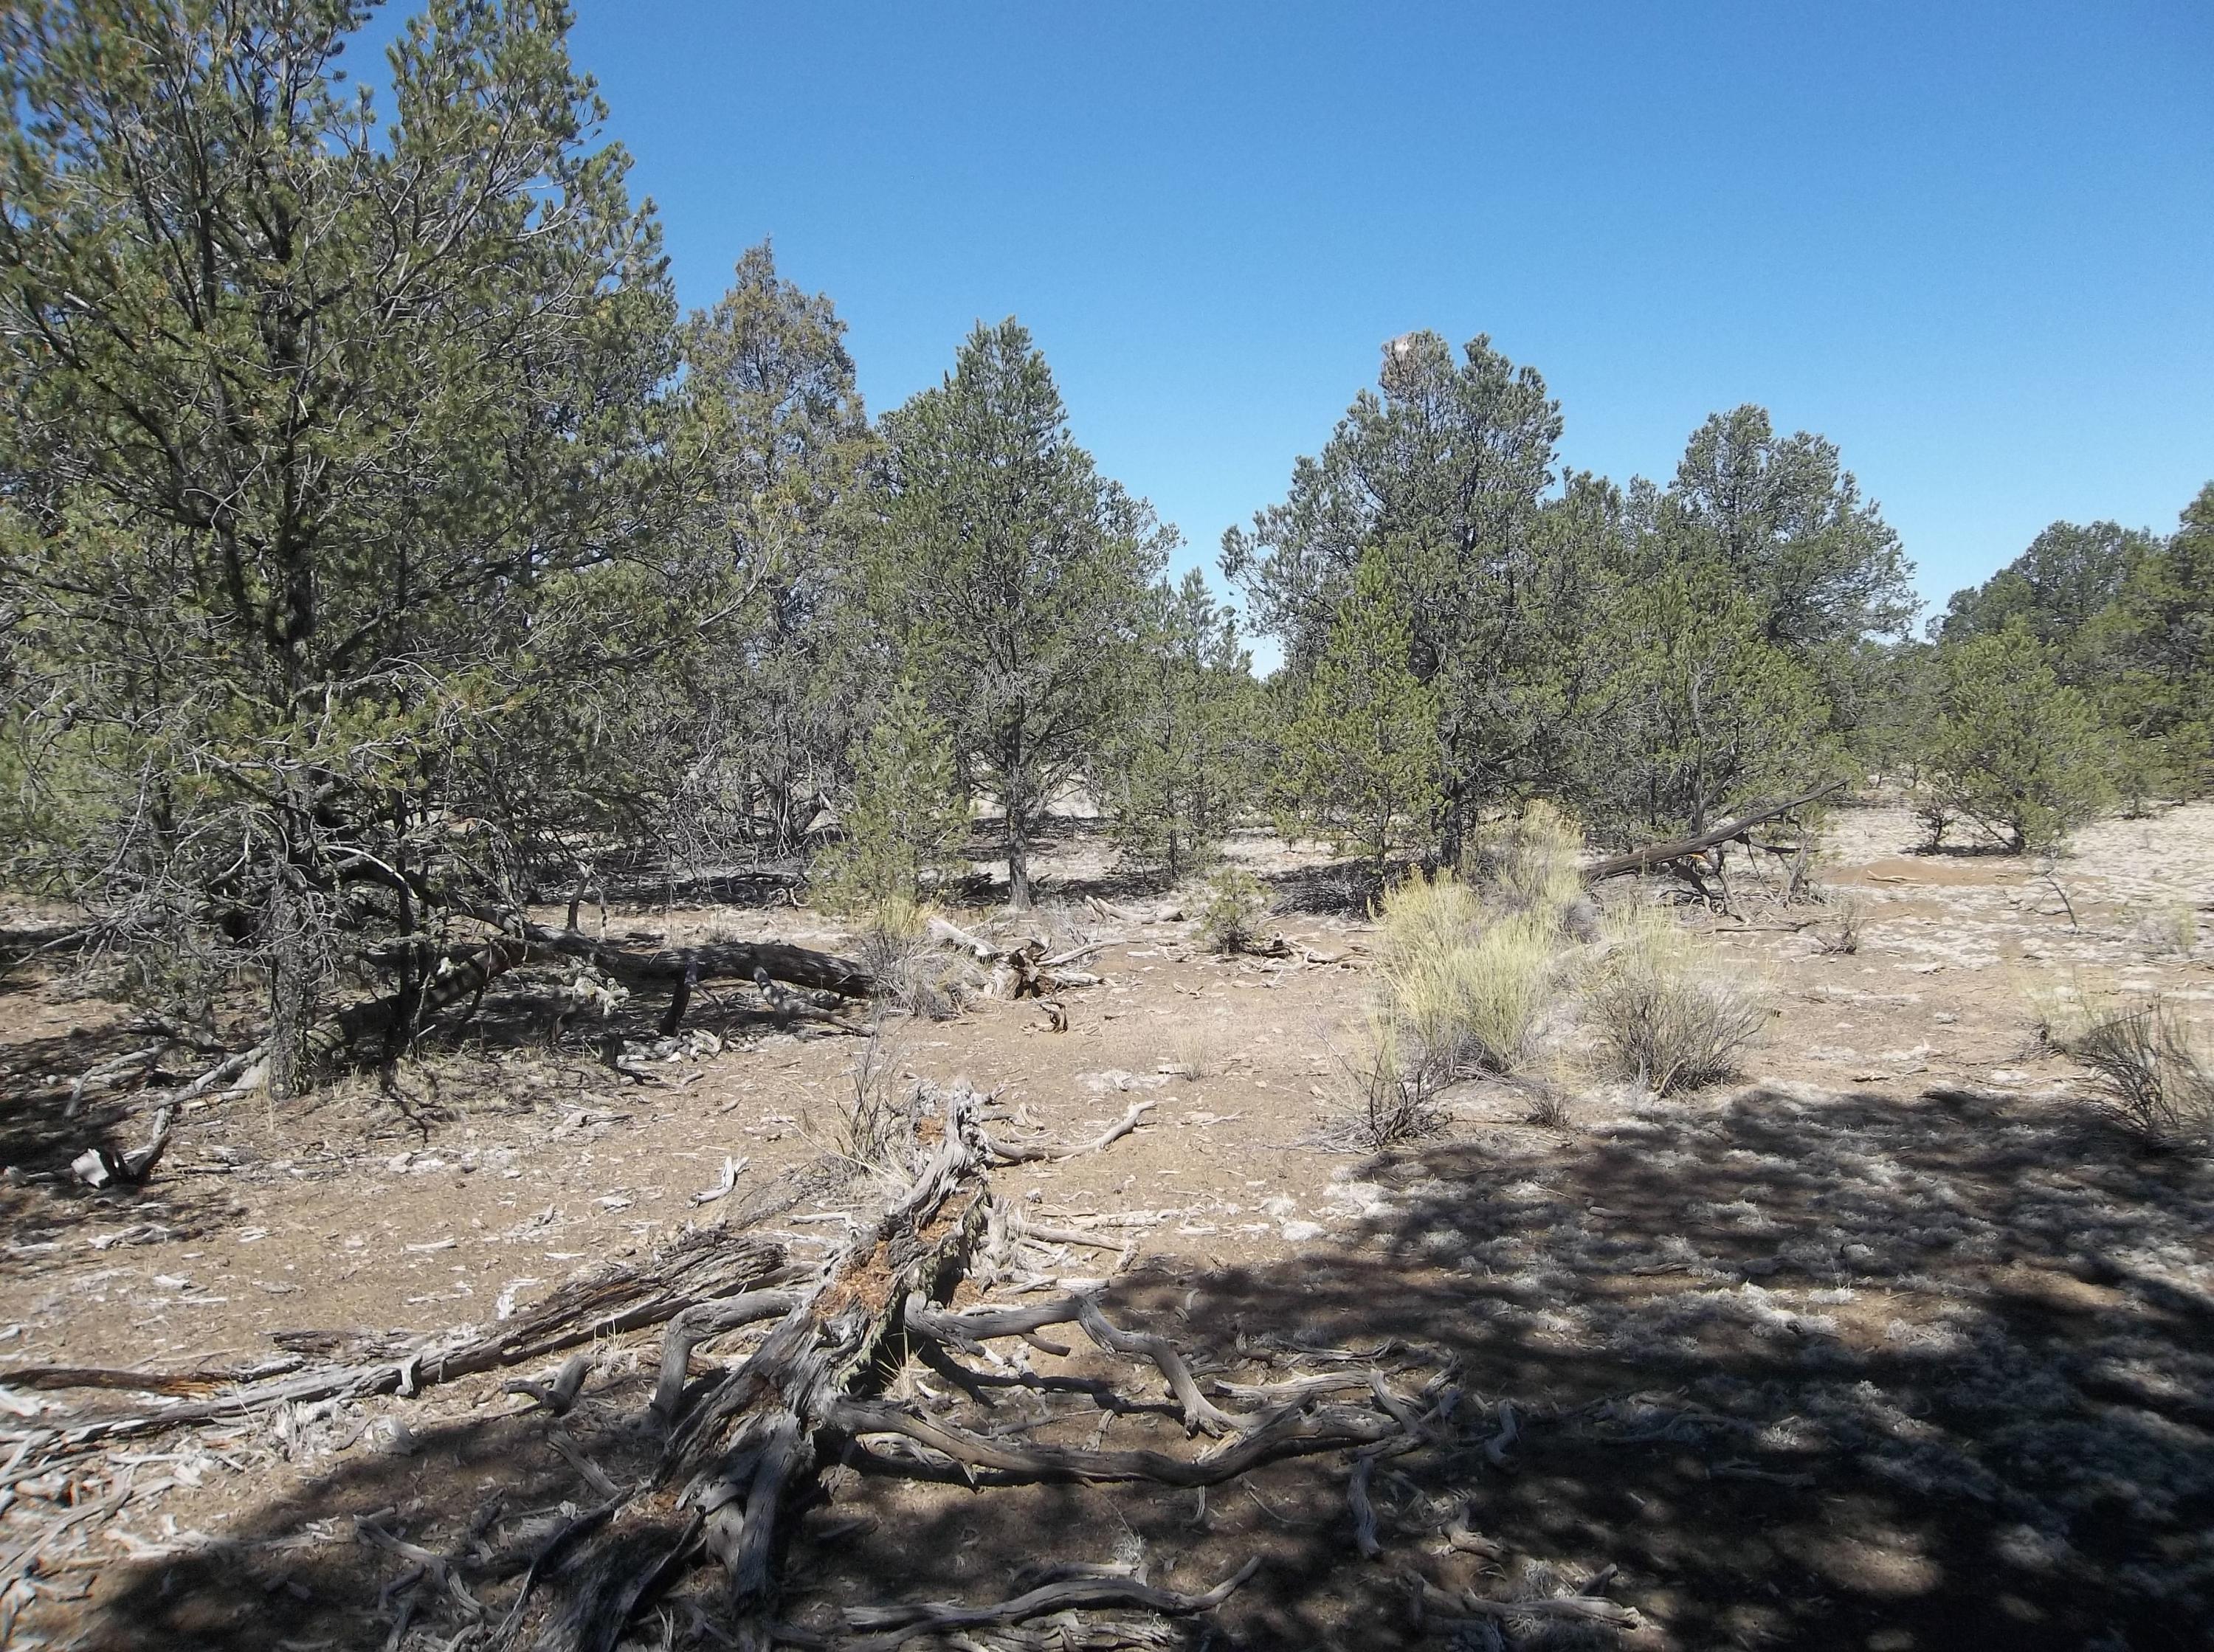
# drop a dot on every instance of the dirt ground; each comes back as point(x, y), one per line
point(1899, 1342)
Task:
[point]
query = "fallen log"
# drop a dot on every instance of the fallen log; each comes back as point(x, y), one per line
point(1654, 854)
point(745, 1453)
point(703, 1265)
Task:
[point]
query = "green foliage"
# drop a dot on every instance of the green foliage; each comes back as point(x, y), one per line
point(2128, 618)
point(334, 466)
point(1183, 759)
point(1359, 760)
point(1650, 657)
point(905, 820)
point(743, 737)
point(1015, 575)
point(1783, 519)
point(1236, 918)
point(2016, 751)
point(1706, 712)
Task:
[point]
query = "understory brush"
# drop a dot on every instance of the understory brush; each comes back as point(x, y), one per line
point(912, 973)
point(1467, 990)
point(1670, 1015)
point(2155, 1066)
point(1236, 918)
point(1529, 860)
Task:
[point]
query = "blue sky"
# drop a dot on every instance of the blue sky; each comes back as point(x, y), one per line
point(1973, 244)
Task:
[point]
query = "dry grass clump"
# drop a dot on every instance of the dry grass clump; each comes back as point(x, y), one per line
point(911, 971)
point(1669, 1015)
point(2158, 1072)
point(1194, 1053)
point(1842, 933)
point(1530, 860)
point(2170, 929)
point(1236, 919)
point(1466, 994)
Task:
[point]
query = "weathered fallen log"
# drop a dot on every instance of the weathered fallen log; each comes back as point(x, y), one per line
point(744, 1453)
point(1656, 854)
point(703, 1265)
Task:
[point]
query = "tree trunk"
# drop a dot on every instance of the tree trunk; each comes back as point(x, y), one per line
point(291, 992)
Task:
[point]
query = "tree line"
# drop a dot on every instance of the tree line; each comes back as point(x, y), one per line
point(382, 550)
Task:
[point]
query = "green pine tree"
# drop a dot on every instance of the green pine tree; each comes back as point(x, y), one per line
point(2015, 751)
point(906, 821)
point(1361, 759)
point(1183, 761)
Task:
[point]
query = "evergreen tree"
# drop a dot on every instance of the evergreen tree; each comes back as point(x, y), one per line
point(2015, 751)
point(1702, 712)
point(1361, 759)
point(754, 727)
point(334, 467)
point(905, 822)
point(1017, 574)
point(1183, 760)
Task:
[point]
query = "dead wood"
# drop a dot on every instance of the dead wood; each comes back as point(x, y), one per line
point(1442, 1609)
point(101, 1166)
point(704, 1264)
point(743, 1449)
point(1033, 1152)
point(1685, 849)
point(939, 1618)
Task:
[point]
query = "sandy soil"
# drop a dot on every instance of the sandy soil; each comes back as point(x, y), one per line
point(1898, 1341)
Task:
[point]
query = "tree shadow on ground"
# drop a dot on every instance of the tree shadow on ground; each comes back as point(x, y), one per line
point(1810, 1369)
point(1334, 889)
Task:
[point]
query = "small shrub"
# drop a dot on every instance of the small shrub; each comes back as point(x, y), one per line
point(1469, 996)
point(1531, 859)
point(912, 973)
point(1669, 1016)
point(1236, 916)
point(1841, 935)
point(2170, 929)
point(873, 1121)
point(1193, 1052)
point(1394, 1088)
point(2158, 1073)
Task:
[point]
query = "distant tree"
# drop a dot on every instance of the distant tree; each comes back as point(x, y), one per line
point(2015, 750)
point(2159, 641)
point(904, 820)
point(332, 467)
point(1817, 562)
point(1015, 573)
point(2059, 586)
point(775, 453)
point(1441, 471)
point(1359, 759)
point(1183, 760)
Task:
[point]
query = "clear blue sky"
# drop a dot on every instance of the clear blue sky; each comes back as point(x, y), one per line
point(1973, 244)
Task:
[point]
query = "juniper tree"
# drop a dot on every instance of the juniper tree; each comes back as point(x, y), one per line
point(773, 451)
point(331, 466)
point(903, 822)
point(2015, 750)
point(1440, 470)
point(1016, 574)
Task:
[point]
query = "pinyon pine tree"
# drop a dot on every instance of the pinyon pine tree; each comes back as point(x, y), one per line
point(1359, 760)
